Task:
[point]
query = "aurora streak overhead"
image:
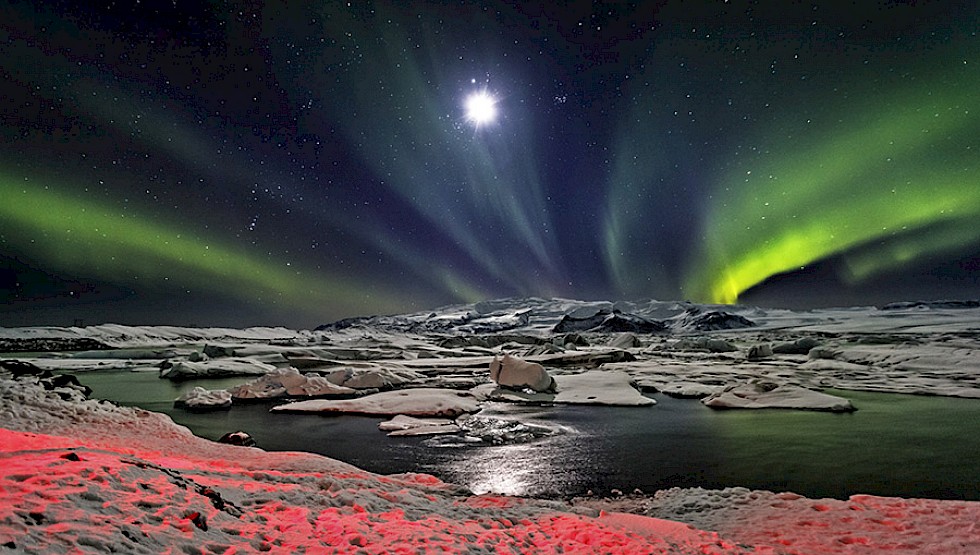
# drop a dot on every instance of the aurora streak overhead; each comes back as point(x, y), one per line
point(294, 164)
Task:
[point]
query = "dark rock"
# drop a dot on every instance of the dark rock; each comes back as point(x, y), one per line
point(574, 323)
point(705, 344)
point(693, 319)
point(345, 323)
point(801, 346)
point(570, 339)
point(759, 352)
point(823, 353)
point(460, 341)
point(237, 438)
point(218, 351)
point(544, 349)
point(30, 345)
point(20, 368)
point(487, 341)
point(68, 380)
point(606, 321)
point(197, 519)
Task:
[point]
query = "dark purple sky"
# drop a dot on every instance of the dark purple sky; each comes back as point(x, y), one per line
point(273, 163)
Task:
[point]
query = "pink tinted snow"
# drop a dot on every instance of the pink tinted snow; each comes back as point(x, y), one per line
point(60, 495)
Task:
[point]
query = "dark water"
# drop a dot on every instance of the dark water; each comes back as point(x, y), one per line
point(899, 445)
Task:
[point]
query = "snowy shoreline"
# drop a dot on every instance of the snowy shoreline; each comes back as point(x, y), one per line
point(87, 476)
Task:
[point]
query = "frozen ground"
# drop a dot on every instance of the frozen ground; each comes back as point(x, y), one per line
point(84, 476)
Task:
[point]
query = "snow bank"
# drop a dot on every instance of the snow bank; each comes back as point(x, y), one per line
point(124, 480)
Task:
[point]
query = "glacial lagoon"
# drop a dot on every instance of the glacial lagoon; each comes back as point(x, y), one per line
point(894, 445)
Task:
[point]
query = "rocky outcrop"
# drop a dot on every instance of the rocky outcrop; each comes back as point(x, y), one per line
point(704, 344)
point(800, 346)
point(609, 321)
point(696, 319)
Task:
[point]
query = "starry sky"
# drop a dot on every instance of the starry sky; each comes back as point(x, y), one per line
point(274, 163)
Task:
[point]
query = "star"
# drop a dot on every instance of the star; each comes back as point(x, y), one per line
point(481, 108)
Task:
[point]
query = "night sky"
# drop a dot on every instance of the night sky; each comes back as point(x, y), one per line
point(250, 163)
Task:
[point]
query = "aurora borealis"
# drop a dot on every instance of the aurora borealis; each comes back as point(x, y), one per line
point(293, 163)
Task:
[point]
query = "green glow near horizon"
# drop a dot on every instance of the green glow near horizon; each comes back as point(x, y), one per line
point(865, 264)
point(885, 172)
point(94, 240)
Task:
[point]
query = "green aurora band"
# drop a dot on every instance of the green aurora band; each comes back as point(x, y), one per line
point(110, 108)
point(76, 235)
point(892, 180)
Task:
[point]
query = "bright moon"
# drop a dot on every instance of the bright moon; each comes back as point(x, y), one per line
point(481, 108)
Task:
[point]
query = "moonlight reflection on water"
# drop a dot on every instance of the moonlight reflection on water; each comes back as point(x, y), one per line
point(528, 469)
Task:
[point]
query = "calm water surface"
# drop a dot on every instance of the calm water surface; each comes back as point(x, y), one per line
point(899, 445)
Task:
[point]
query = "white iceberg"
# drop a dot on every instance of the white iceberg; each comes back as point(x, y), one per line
point(513, 372)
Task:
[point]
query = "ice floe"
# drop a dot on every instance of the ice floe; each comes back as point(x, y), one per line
point(594, 387)
point(514, 373)
point(218, 368)
point(412, 402)
point(203, 399)
point(762, 394)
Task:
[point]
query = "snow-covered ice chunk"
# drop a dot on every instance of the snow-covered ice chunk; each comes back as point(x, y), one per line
point(203, 399)
point(762, 394)
point(187, 370)
point(402, 425)
point(283, 382)
point(513, 372)
point(594, 387)
point(412, 402)
point(403, 422)
point(689, 390)
point(498, 431)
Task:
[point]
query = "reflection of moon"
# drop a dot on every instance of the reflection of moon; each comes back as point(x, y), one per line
point(481, 108)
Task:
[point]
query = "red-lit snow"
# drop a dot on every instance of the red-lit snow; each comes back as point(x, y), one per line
point(82, 476)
